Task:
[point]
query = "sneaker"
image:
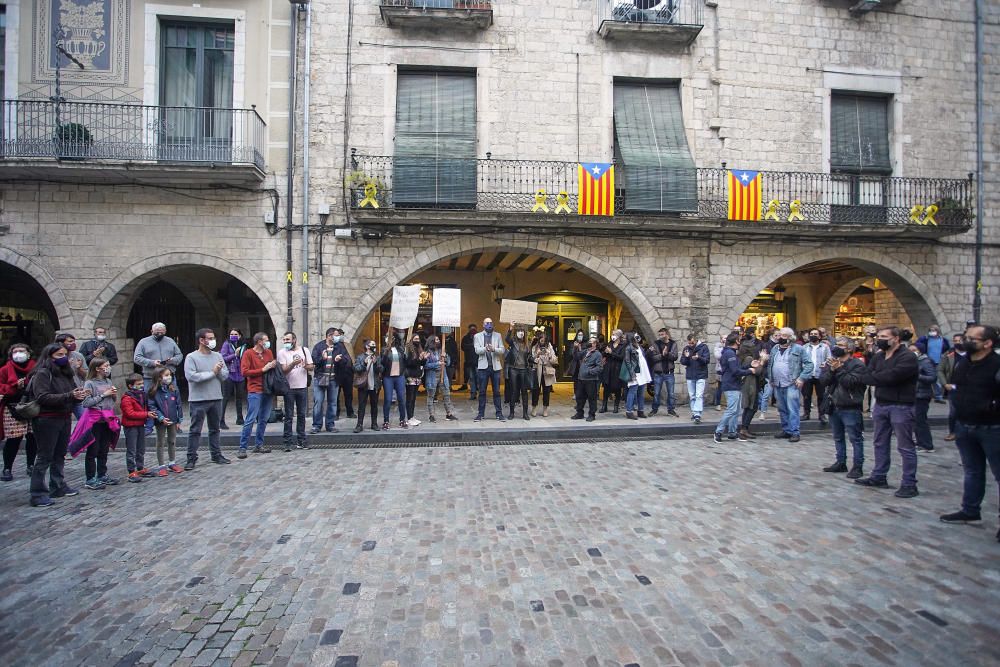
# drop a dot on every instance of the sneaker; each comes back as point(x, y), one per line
point(717, 437)
point(314, 430)
point(146, 472)
point(925, 450)
point(762, 416)
point(731, 436)
point(578, 415)
point(134, 477)
point(189, 465)
point(64, 492)
point(6, 475)
point(839, 466)
point(950, 437)
point(222, 460)
point(42, 501)
point(288, 448)
point(718, 408)
point(907, 492)
point(431, 419)
point(451, 418)
point(501, 418)
point(855, 473)
point(697, 419)
point(781, 435)
point(741, 436)
point(960, 517)
point(794, 438)
point(873, 483)
point(404, 424)
point(591, 418)
point(672, 413)
point(260, 450)
point(303, 445)
point(162, 472)
point(413, 421)
point(176, 468)
point(242, 454)
point(359, 428)
point(223, 426)
point(239, 421)
point(478, 418)
point(109, 480)
point(385, 426)
point(93, 484)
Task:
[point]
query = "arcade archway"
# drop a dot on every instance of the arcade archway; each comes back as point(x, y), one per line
point(27, 314)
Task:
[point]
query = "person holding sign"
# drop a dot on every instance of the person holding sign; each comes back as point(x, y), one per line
point(436, 377)
point(519, 368)
point(490, 350)
point(393, 381)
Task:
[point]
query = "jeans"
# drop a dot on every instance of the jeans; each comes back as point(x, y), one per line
point(978, 446)
point(433, 383)
point(938, 387)
point(894, 419)
point(586, 393)
point(258, 412)
point(765, 398)
point(51, 439)
point(95, 462)
point(472, 378)
point(788, 408)
point(329, 395)
point(696, 390)
point(200, 410)
point(731, 417)
point(485, 376)
point(848, 421)
point(295, 403)
point(393, 385)
point(635, 399)
point(660, 379)
point(135, 447)
point(921, 429)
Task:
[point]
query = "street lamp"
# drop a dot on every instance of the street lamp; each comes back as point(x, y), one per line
point(498, 288)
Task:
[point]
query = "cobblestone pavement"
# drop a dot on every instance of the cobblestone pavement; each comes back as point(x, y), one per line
point(613, 553)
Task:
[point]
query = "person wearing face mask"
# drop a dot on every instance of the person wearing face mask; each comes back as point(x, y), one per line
point(634, 374)
point(136, 409)
point(368, 380)
point(844, 391)
point(414, 358)
point(470, 362)
point(591, 364)
point(295, 362)
point(614, 356)
point(519, 366)
point(490, 349)
point(574, 355)
point(205, 371)
point(328, 356)
point(937, 346)
point(234, 387)
point(394, 379)
point(77, 363)
point(944, 372)
point(661, 356)
point(695, 358)
point(976, 384)
point(926, 377)
point(893, 373)
point(13, 381)
point(99, 346)
point(818, 352)
point(165, 401)
point(788, 368)
point(543, 358)
point(255, 362)
point(154, 351)
point(436, 368)
point(98, 430)
point(51, 384)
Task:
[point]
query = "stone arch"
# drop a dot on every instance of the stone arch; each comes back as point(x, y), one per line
point(44, 279)
point(123, 287)
point(618, 284)
point(828, 311)
point(913, 292)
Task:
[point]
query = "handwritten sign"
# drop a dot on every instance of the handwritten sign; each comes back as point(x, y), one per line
point(518, 312)
point(405, 303)
point(447, 310)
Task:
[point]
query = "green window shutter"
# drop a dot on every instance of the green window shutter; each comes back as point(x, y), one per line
point(657, 171)
point(859, 134)
point(435, 155)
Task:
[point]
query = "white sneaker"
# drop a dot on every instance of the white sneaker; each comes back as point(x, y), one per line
point(413, 421)
point(761, 415)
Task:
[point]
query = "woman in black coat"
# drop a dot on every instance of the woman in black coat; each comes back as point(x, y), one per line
point(614, 353)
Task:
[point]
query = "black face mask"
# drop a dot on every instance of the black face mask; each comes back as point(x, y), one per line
point(813, 339)
point(158, 337)
point(960, 347)
point(782, 341)
point(882, 344)
point(838, 352)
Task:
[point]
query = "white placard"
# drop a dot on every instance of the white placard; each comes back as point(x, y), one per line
point(405, 303)
point(447, 308)
point(518, 312)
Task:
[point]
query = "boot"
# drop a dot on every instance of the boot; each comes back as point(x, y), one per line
point(534, 410)
point(545, 411)
point(856, 472)
point(838, 466)
point(630, 415)
point(744, 433)
point(511, 415)
point(524, 412)
point(617, 403)
point(642, 414)
point(604, 406)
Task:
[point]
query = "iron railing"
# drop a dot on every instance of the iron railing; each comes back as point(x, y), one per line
point(438, 4)
point(513, 186)
point(659, 12)
point(131, 132)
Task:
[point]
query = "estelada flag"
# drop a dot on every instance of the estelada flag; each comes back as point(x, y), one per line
point(744, 195)
point(596, 188)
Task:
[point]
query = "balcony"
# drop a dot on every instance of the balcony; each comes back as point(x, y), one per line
point(670, 23)
point(492, 195)
point(448, 14)
point(104, 142)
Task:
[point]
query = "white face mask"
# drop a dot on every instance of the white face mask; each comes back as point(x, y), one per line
point(166, 380)
point(210, 344)
point(520, 334)
point(101, 337)
point(106, 372)
point(20, 357)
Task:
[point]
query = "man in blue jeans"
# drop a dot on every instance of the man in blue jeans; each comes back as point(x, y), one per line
point(255, 362)
point(844, 387)
point(333, 363)
point(787, 371)
point(732, 382)
point(975, 382)
point(490, 350)
point(661, 357)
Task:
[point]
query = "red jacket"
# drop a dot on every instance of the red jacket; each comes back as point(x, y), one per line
point(135, 411)
point(8, 381)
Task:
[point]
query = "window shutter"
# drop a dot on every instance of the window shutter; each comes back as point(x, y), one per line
point(658, 172)
point(435, 153)
point(859, 134)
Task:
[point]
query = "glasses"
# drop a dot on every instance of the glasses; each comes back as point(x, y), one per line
point(970, 339)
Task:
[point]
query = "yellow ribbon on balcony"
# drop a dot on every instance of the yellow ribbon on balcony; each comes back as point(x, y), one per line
point(562, 199)
point(289, 276)
point(915, 214)
point(772, 210)
point(931, 211)
point(370, 191)
point(795, 211)
point(540, 198)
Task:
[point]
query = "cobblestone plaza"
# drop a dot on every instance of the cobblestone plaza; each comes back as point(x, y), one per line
point(652, 552)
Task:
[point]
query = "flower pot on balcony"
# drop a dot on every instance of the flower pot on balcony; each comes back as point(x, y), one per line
point(72, 142)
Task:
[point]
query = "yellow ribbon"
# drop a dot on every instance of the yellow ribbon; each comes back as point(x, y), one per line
point(929, 220)
point(772, 210)
point(540, 202)
point(370, 191)
point(915, 214)
point(289, 276)
point(305, 277)
point(795, 211)
point(562, 199)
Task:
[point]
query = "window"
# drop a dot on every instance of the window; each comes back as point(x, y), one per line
point(657, 170)
point(434, 163)
point(197, 86)
point(859, 154)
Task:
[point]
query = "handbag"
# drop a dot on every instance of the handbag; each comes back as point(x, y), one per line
point(27, 408)
point(361, 379)
point(323, 380)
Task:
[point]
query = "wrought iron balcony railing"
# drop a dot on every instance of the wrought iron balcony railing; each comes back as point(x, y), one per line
point(513, 186)
point(653, 12)
point(461, 14)
point(99, 131)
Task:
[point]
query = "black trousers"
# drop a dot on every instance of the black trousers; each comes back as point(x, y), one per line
point(520, 384)
point(52, 439)
point(617, 393)
point(11, 447)
point(587, 393)
point(411, 398)
point(369, 398)
point(96, 461)
point(545, 391)
point(808, 387)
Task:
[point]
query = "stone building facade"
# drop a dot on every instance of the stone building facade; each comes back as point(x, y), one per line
point(112, 240)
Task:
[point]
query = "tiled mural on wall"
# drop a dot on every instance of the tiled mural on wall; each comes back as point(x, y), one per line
point(95, 32)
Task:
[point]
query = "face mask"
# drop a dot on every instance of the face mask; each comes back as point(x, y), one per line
point(882, 344)
point(20, 357)
point(287, 346)
point(932, 334)
point(838, 352)
point(101, 337)
point(61, 361)
point(337, 339)
point(959, 347)
point(210, 344)
point(70, 347)
point(973, 346)
point(580, 338)
point(782, 341)
point(166, 380)
point(267, 345)
point(520, 334)
point(813, 339)
point(614, 339)
point(371, 347)
point(158, 337)
point(234, 339)
point(137, 388)
point(488, 328)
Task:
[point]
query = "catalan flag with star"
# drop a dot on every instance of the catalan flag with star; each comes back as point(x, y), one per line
point(744, 194)
point(596, 188)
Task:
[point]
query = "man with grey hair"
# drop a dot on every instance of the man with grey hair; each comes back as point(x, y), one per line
point(156, 351)
point(790, 367)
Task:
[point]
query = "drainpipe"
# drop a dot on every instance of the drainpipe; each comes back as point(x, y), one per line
point(290, 195)
point(304, 338)
point(977, 299)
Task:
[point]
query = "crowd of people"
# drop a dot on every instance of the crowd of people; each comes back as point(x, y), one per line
point(888, 374)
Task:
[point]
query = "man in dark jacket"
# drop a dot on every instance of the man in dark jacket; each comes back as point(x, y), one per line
point(334, 370)
point(893, 372)
point(470, 361)
point(660, 356)
point(99, 347)
point(695, 358)
point(589, 375)
point(844, 388)
point(732, 382)
point(975, 382)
